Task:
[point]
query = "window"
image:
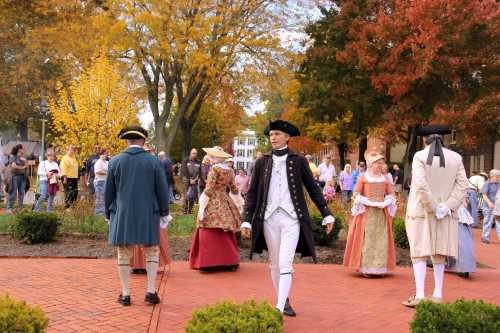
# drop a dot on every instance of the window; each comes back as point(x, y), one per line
point(251, 142)
point(250, 153)
point(240, 153)
point(476, 163)
point(241, 141)
point(240, 165)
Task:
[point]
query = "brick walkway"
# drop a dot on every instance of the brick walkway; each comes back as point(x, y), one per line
point(79, 295)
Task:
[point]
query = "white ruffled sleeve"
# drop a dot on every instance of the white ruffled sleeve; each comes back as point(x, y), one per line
point(390, 203)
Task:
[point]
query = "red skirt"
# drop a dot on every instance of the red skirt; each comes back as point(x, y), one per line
point(213, 247)
point(138, 260)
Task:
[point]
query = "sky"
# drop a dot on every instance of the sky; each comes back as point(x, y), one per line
point(290, 38)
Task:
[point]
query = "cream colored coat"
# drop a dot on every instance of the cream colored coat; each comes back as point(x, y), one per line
point(430, 186)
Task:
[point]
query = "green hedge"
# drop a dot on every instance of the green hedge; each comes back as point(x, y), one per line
point(319, 231)
point(248, 317)
point(30, 227)
point(18, 317)
point(460, 317)
point(399, 232)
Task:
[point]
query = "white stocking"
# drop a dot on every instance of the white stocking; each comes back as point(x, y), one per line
point(438, 280)
point(275, 276)
point(419, 270)
point(124, 272)
point(283, 290)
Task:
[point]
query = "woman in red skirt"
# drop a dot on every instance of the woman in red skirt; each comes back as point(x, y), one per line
point(214, 243)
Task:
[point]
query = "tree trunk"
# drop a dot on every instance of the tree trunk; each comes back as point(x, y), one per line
point(187, 131)
point(363, 145)
point(411, 148)
point(342, 150)
point(160, 135)
point(22, 127)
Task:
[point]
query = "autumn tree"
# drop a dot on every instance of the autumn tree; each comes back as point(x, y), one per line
point(185, 51)
point(93, 109)
point(436, 59)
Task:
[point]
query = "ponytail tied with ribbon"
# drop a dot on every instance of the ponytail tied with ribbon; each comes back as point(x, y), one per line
point(433, 137)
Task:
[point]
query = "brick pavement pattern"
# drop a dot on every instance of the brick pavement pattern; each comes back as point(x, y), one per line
point(80, 295)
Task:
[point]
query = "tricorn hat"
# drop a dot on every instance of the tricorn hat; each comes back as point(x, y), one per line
point(433, 129)
point(217, 152)
point(282, 125)
point(133, 133)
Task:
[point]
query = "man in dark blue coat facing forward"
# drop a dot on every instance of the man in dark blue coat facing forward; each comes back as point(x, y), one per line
point(136, 199)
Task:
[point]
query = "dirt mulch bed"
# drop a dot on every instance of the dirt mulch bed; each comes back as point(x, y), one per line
point(83, 246)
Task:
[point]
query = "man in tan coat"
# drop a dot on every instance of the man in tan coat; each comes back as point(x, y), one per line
point(438, 189)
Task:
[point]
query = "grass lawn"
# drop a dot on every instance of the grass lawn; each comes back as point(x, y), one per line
point(4, 219)
point(182, 225)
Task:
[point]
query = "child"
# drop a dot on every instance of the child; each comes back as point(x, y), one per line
point(329, 191)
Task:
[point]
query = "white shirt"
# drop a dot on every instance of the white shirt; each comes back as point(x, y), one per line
point(45, 167)
point(101, 166)
point(279, 193)
point(326, 173)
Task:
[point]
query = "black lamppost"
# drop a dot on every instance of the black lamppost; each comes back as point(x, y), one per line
point(44, 111)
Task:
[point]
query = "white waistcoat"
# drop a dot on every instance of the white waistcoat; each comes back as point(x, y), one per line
point(279, 193)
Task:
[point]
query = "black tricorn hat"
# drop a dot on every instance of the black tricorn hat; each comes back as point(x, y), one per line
point(282, 125)
point(133, 133)
point(433, 129)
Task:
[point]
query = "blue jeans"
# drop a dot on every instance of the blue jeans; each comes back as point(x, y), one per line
point(487, 223)
point(472, 205)
point(346, 195)
point(18, 187)
point(171, 193)
point(44, 194)
point(99, 187)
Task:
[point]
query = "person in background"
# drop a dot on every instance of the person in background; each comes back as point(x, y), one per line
point(489, 192)
point(101, 172)
point(312, 166)
point(18, 179)
point(370, 244)
point(251, 166)
point(496, 210)
point(329, 192)
point(326, 171)
point(2, 170)
point(169, 172)
point(242, 182)
point(346, 183)
point(89, 169)
point(48, 176)
point(476, 182)
point(69, 176)
point(385, 172)
point(398, 178)
point(361, 169)
point(205, 169)
point(465, 262)
point(190, 174)
point(214, 245)
point(230, 164)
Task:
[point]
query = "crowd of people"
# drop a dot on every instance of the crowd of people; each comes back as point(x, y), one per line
point(267, 203)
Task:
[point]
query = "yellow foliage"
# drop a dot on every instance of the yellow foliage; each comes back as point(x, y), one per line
point(93, 109)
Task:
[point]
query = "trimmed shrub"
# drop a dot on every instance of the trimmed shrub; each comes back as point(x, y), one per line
point(31, 227)
point(399, 232)
point(321, 238)
point(248, 317)
point(18, 317)
point(461, 316)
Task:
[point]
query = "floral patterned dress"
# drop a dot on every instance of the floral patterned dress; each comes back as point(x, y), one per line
point(214, 242)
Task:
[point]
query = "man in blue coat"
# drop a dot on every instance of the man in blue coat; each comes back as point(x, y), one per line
point(136, 200)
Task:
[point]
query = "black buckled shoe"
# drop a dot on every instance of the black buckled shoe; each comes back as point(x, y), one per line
point(124, 300)
point(152, 298)
point(288, 310)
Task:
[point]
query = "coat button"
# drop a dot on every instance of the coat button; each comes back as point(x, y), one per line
point(291, 175)
point(290, 168)
point(300, 215)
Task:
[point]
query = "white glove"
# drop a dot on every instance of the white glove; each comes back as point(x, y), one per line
point(203, 202)
point(329, 219)
point(165, 220)
point(442, 211)
point(107, 221)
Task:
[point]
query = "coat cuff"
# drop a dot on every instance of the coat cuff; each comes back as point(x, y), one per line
point(246, 225)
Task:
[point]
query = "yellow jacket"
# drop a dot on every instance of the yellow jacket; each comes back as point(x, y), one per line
point(69, 167)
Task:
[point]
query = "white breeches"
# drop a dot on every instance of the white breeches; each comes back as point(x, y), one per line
point(152, 254)
point(281, 232)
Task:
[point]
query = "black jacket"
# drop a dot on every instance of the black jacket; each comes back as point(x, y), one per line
point(299, 177)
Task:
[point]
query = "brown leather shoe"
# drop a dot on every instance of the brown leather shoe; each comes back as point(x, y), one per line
point(412, 301)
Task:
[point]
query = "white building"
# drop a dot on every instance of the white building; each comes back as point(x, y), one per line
point(244, 147)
